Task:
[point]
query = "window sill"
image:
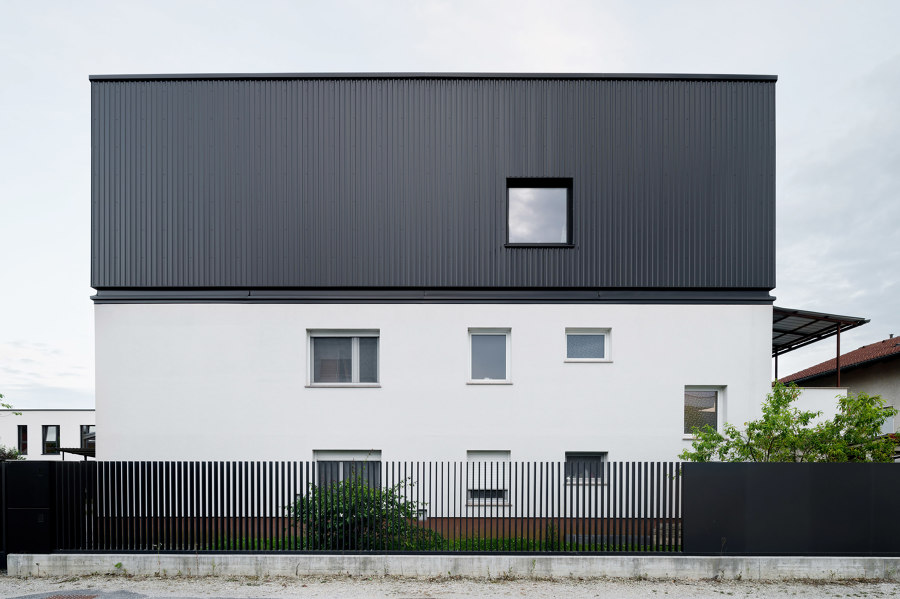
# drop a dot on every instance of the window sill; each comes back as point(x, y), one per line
point(598, 482)
point(586, 361)
point(688, 437)
point(488, 382)
point(539, 245)
point(343, 385)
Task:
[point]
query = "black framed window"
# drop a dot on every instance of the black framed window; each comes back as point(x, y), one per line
point(539, 212)
point(88, 436)
point(50, 439)
point(585, 466)
point(23, 439)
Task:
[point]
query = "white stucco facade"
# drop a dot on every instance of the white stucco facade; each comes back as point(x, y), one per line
point(231, 381)
point(68, 421)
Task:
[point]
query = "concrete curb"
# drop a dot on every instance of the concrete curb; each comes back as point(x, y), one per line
point(475, 566)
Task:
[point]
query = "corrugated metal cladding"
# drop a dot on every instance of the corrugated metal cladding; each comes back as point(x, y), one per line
point(393, 182)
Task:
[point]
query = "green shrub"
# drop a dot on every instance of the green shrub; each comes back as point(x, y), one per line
point(10, 454)
point(351, 515)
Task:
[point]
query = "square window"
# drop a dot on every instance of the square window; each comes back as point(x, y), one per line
point(701, 408)
point(585, 466)
point(343, 358)
point(539, 211)
point(51, 439)
point(23, 438)
point(88, 436)
point(489, 356)
point(588, 345)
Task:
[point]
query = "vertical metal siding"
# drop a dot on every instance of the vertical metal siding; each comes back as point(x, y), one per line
point(401, 182)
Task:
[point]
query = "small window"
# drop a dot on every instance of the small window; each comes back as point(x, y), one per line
point(88, 436)
point(336, 466)
point(489, 356)
point(51, 439)
point(587, 345)
point(343, 358)
point(585, 466)
point(23, 438)
point(887, 428)
point(539, 212)
point(701, 408)
point(488, 477)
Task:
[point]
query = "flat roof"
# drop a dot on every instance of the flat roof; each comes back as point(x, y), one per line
point(793, 329)
point(285, 76)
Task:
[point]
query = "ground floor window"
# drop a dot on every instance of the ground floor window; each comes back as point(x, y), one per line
point(23, 439)
point(50, 439)
point(585, 466)
point(701, 408)
point(337, 466)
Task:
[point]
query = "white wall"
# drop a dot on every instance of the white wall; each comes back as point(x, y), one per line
point(228, 381)
point(69, 422)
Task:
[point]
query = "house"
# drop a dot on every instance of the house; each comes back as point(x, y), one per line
point(40, 434)
point(873, 369)
point(367, 267)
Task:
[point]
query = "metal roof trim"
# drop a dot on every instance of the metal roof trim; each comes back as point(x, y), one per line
point(383, 75)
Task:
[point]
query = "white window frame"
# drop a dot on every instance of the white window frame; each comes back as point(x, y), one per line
point(607, 344)
point(507, 332)
point(604, 455)
point(720, 406)
point(492, 475)
point(354, 334)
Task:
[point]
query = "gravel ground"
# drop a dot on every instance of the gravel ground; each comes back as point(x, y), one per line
point(121, 587)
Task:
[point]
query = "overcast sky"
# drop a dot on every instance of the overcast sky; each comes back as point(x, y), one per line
point(838, 127)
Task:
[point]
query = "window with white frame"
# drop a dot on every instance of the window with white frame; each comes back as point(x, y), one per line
point(333, 466)
point(585, 466)
point(588, 345)
point(702, 407)
point(489, 356)
point(343, 358)
point(488, 473)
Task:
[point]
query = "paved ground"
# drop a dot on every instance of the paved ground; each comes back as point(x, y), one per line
point(121, 587)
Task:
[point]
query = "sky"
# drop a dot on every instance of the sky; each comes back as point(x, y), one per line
point(838, 127)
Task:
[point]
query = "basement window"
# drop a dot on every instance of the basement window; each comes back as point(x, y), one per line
point(539, 212)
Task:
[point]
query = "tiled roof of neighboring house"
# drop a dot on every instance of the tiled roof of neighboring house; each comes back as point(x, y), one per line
point(867, 353)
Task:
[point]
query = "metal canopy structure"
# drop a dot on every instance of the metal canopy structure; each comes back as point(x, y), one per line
point(793, 329)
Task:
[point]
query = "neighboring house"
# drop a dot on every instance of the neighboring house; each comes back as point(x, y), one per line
point(434, 266)
point(39, 434)
point(873, 369)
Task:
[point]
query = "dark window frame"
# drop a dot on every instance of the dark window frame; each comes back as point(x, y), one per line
point(543, 183)
point(44, 429)
point(88, 437)
point(574, 473)
point(22, 438)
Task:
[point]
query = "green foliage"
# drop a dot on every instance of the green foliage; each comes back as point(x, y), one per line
point(10, 454)
point(351, 515)
point(7, 406)
point(786, 434)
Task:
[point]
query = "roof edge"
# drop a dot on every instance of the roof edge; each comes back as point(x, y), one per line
point(833, 371)
point(381, 75)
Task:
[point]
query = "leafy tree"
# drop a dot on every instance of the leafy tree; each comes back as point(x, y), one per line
point(352, 515)
point(7, 406)
point(786, 434)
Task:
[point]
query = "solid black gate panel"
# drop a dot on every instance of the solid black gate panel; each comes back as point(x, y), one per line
point(809, 509)
point(29, 514)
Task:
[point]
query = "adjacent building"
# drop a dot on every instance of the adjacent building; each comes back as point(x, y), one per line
point(40, 434)
point(348, 267)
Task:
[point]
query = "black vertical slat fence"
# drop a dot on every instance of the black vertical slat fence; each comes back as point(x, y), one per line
point(389, 506)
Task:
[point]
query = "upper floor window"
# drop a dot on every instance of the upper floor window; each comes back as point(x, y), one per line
point(342, 358)
point(539, 212)
point(587, 345)
point(701, 408)
point(489, 356)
